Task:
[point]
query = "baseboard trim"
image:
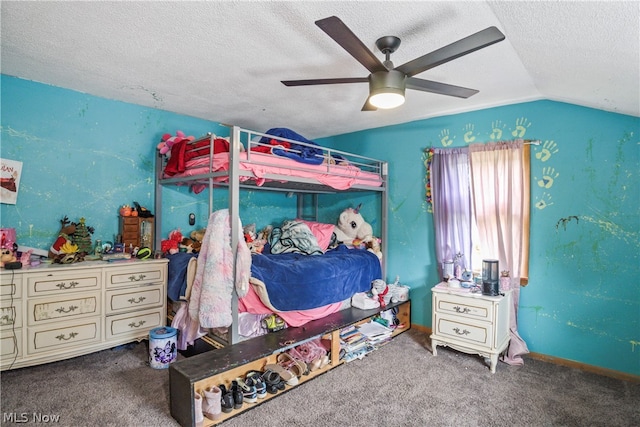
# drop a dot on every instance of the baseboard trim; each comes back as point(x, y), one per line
point(564, 362)
point(584, 367)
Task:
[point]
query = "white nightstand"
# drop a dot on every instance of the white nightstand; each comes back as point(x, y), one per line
point(470, 322)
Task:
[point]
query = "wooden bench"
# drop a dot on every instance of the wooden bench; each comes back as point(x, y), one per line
point(223, 365)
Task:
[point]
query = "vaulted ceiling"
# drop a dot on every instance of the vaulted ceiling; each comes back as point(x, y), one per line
point(224, 60)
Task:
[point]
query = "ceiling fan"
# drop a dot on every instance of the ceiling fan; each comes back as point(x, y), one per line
point(387, 84)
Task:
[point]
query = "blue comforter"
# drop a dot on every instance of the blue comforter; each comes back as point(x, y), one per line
point(299, 282)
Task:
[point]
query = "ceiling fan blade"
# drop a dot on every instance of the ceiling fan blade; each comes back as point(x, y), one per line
point(368, 107)
point(439, 88)
point(325, 81)
point(338, 31)
point(462, 47)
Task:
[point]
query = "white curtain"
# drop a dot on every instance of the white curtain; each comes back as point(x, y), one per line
point(501, 200)
point(451, 201)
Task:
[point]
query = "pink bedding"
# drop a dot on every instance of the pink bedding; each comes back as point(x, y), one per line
point(338, 176)
point(251, 303)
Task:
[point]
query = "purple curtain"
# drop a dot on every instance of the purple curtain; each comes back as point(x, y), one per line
point(451, 200)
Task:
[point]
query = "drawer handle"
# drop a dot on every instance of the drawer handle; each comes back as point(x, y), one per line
point(71, 336)
point(71, 308)
point(137, 279)
point(136, 301)
point(461, 310)
point(137, 325)
point(63, 285)
point(459, 332)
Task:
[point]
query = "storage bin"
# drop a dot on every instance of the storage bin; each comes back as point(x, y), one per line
point(162, 347)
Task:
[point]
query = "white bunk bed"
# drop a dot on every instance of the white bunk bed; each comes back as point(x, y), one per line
point(262, 161)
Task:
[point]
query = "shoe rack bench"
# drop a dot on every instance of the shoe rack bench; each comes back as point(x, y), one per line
point(223, 365)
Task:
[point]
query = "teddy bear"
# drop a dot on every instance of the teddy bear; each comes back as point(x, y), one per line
point(352, 226)
point(193, 243)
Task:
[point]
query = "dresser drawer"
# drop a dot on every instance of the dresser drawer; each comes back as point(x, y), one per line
point(10, 314)
point(64, 282)
point(10, 286)
point(56, 337)
point(467, 307)
point(10, 346)
point(138, 274)
point(128, 299)
point(136, 324)
point(467, 330)
point(72, 306)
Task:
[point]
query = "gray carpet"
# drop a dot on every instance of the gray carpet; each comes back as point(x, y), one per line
point(401, 384)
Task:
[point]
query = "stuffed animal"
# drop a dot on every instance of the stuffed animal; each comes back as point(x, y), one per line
point(172, 244)
point(352, 226)
point(63, 243)
point(168, 141)
point(6, 256)
point(255, 245)
point(373, 246)
point(379, 290)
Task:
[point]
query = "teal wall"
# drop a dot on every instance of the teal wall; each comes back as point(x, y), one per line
point(583, 298)
point(85, 156)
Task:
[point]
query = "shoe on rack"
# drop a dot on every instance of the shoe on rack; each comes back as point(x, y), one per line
point(226, 399)
point(254, 378)
point(212, 404)
point(294, 364)
point(272, 380)
point(197, 406)
point(249, 393)
point(289, 377)
point(238, 395)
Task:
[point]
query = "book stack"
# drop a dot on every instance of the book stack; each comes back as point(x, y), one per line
point(354, 343)
point(376, 333)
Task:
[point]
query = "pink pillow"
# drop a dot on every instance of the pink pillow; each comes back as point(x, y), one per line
point(321, 231)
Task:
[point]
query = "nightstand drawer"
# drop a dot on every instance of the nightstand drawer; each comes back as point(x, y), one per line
point(56, 336)
point(59, 308)
point(64, 281)
point(10, 315)
point(459, 329)
point(468, 307)
point(136, 275)
point(129, 299)
point(10, 285)
point(134, 324)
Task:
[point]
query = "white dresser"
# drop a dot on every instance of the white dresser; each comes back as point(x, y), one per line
point(53, 311)
point(470, 322)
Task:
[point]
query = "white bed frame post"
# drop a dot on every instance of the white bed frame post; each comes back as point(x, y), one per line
point(383, 212)
point(234, 216)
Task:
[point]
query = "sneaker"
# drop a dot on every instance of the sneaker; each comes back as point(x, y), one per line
point(255, 379)
point(238, 396)
point(226, 399)
point(273, 323)
point(249, 393)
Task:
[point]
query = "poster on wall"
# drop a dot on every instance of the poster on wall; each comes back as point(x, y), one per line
point(10, 172)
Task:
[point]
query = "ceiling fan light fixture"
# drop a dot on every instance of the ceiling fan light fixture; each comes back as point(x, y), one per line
point(386, 89)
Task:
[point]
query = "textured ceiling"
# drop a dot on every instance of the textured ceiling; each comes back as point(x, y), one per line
point(223, 60)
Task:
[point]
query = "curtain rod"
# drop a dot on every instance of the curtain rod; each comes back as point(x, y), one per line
point(526, 141)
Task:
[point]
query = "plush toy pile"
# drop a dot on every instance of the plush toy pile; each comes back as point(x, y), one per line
point(168, 141)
